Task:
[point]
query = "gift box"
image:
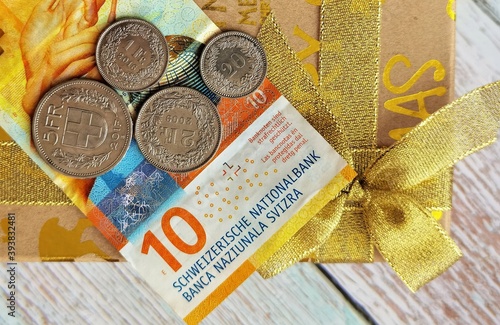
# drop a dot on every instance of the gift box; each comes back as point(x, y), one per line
point(416, 79)
point(380, 69)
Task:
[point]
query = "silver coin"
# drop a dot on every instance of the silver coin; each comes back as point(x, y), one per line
point(178, 129)
point(131, 55)
point(82, 128)
point(233, 64)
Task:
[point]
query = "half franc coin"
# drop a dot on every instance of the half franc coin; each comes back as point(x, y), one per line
point(178, 129)
point(132, 54)
point(82, 128)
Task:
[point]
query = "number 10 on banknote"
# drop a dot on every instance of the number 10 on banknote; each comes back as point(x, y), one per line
point(217, 224)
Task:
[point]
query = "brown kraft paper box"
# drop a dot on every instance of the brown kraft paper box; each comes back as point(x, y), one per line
point(416, 79)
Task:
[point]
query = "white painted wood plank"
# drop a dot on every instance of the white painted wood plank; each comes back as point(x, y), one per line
point(477, 48)
point(492, 6)
point(468, 293)
point(113, 293)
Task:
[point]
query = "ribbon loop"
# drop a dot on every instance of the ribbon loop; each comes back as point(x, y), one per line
point(409, 238)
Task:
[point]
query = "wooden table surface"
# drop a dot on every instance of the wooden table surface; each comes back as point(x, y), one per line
point(468, 293)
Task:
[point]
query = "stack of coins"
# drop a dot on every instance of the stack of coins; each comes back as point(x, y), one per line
point(83, 128)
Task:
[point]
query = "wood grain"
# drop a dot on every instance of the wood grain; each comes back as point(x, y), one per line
point(113, 293)
point(468, 293)
point(491, 7)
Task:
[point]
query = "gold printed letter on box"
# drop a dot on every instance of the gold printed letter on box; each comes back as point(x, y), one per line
point(439, 74)
point(209, 6)
point(394, 104)
point(451, 10)
point(69, 243)
point(312, 48)
point(265, 9)
point(245, 16)
point(313, 44)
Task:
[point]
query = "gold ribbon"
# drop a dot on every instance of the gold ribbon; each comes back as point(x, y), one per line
point(22, 182)
point(389, 205)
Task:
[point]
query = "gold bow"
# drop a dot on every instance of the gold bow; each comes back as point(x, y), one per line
point(390, 203)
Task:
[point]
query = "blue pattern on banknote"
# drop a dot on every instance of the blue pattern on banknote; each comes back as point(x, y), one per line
point(155, 219)
point(137, 197)
point(99, 190)
point(188, 65)
point(109, 181)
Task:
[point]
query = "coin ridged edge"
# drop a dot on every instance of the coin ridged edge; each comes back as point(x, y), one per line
point(99, 45)
point(141, 145)
point(36, 138)
point(207, 80)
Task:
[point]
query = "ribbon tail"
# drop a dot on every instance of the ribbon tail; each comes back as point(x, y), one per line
point(306, 240)
point(409, 238)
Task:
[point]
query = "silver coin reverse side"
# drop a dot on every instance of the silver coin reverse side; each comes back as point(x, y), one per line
point(82, 128)
point(178, 129)
point(131, 54)
point(233, 64)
